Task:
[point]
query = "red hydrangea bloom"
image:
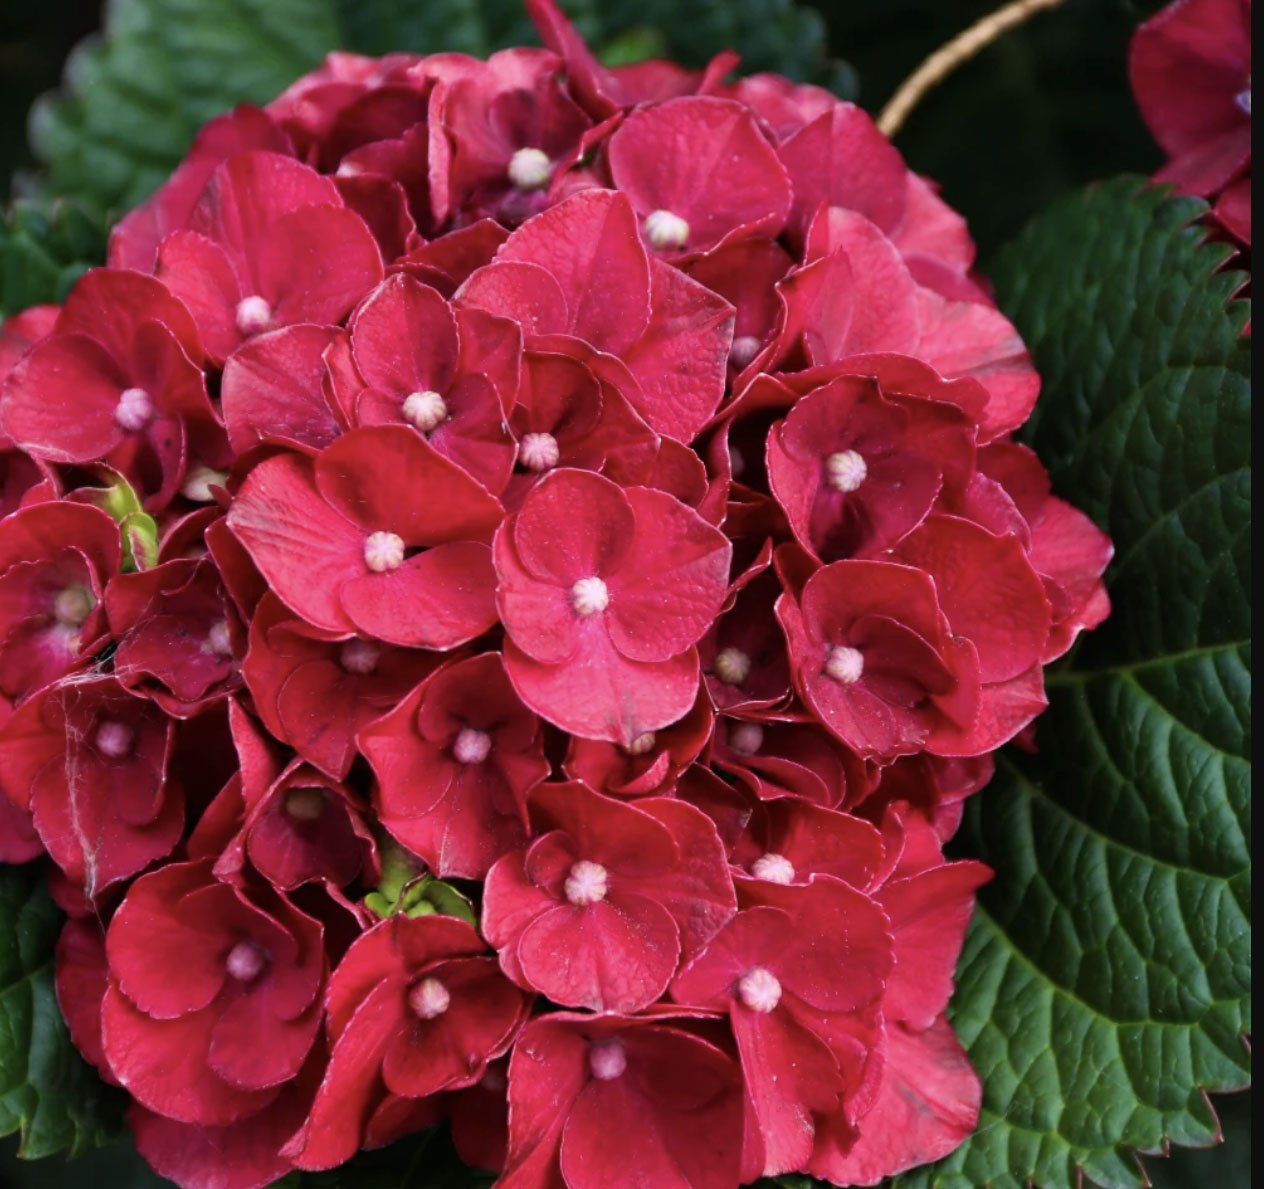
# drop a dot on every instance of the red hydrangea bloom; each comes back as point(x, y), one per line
point(580, 269)
point(315, 692)
point(875, 658)
point(595, 486)
point(620, 890)
point(804, 1035)
point(455, 761)
point(215, 994)
point(55, 559)
point(451, 375)
point(732, 184)
point(1190, 66)
point(267, 245)
point(332, 536)
point(417, 1006)
point(615, 584)
point(178, 634)
point(117, 380)
point(90, 763)
point(677, 1097)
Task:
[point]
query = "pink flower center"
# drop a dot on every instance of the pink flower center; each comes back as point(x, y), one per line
point(219, 641)
point(359, 656)
point(773, 868)
point(199, 481)
point(845, 665)
point(429, 999)
point(73, 605)
point(732, 666)
point(745, 347)
point(759, 989)
point(590, 596)
point(737, 464)
point(471, 746)
point(746, 738)
point(642, 744)
point(383, 552)
point(425, 411)
point(665, 230)
point(846, 470)
point(305, 805)
point(539, 452)
point(135, 410)
point(115, 740)
point(530, 169)
point(607, 1060)
point(586, 884)
point(246, 961)
point(253, 315)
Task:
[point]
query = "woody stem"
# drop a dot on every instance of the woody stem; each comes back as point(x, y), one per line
point(948, 57)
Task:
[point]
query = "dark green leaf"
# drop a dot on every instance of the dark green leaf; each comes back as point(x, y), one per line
point(48, 1094)
point(43, 251)
point(1105, 981)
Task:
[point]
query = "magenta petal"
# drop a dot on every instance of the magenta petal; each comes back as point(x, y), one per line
point(590, 245)
point(440, 598)
point(607, 957)
point(272, 389)
point(599, 694)
point(305, 549)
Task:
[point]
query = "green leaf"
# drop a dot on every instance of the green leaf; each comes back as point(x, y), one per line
point(1105, 981)
point(133, 99)
point(43, 251)
point(48, 1093)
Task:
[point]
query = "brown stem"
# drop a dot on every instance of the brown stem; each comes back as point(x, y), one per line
point(948, 57)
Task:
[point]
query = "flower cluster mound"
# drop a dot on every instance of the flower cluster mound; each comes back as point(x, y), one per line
point(506, 580)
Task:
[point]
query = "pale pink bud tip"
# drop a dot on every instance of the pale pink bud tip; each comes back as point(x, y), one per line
point(587, 883)
point(219, 641)
point(253, 315)
point(359, 656)
point(737, 464)
point(199, 481)
point(589, 596)
point(425, 411)
point(759, 989)
point(429, 999)
point(642, 744)
point(746, 738)
point(773, 868)
point(539, 451)
point(847, 470)
point(73, 605)
point(745, 347)
point(383, 552)
point(530, 169)
point(732, 666)
point(471, 746)
point(845, 665)
point(115, 740)
point(607, 1060)
point(304, 805)
point(246, 961)
point(135, 410)
point(665, 230)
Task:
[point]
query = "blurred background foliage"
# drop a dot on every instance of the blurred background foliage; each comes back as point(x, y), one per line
point(1035, 115)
